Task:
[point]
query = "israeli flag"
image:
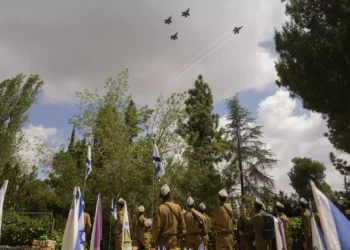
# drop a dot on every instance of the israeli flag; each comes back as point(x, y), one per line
point(201, 247)
point(335, 225)
point(88, 162)
point(318, 240)
point(158, 161)
point(74, 233)
point(114, 209)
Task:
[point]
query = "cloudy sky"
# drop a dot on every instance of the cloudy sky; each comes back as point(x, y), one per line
point(78, 44)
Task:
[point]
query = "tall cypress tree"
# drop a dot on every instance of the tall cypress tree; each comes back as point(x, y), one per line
point(204, 142)
point(131, 119)
point(72, 141)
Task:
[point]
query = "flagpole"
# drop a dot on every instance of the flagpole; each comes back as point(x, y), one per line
point(84, 186)
point(152, 193)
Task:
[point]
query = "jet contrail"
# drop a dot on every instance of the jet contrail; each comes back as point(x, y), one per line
point(203, 51)
point(211, 52)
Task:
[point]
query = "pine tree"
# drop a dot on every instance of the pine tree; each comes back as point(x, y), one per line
point(344, 169)
point(203, 138)
point(247, 152)
point(132, 120)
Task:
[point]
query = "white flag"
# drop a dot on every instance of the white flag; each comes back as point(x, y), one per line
point(158, 161)
point(2, 198)
point(88, 162)
point(126, 237)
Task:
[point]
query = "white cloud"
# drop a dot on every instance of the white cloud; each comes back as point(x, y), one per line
point(49, 136)
point(94, 41)
point(289, 135)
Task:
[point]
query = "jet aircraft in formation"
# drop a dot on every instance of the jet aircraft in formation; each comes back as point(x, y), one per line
point(174, 37)
point(237, 29)
point(186, 13)
point(168, 21)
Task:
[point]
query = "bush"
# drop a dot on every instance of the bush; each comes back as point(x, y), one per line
point(57, 236)
point(21, 230)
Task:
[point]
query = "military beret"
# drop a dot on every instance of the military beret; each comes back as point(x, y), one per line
point(148, 223)
point(202, 206)
point(121, 201)
point(141, 209)
point(223, 193)
point(190, 201)
point(165, 190)
point(303, 201)
point(279, 204)
point(258, 201)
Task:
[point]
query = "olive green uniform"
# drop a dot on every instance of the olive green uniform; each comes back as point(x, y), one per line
point(137, 225)
point(119, 230)
point(306, 228)
point(194, 232)
point(143, 239)
point(87, 222)
point(222, 222)
point(168, 227)
point(258, 223)
point(245, 240)
point(207, 228)
point(287, 231)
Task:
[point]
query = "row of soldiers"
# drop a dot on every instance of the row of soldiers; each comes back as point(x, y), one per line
point(174, 228)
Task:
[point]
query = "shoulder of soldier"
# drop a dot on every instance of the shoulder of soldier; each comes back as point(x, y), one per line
point(284, 218)
point(306, 213)
point(258, 215)
point(121, 212)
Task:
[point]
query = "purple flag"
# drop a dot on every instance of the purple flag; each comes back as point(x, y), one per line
point(96, 236)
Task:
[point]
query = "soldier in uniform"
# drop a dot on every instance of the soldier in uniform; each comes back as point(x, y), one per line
point(244, 231)
point(258, 223)
point(168, 224)
point(222, 222)
point(279, 208)
point(119, 225)
point(138, 223)
point(143, 237)
point(305, 224)
point(206, 224)
point(195, 228)
point(87, 221)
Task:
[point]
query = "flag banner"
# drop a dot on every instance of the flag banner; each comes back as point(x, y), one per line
point(280, 235)
point(88, 162)
point(2, 198)
point(96, 236)
point(158, 161)
point(126, 237)
point(318, 240)
point(74, 233)
point(335, 225)
point(114, 209)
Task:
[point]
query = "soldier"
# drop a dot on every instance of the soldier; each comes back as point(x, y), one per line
point(143, 237)
point(305, 224)
point(168, 224)
point(272, 243)
point(119, 225)
point(87, 221)
point(258, 223)
point(222, 222)
point(138, 223)
point(206, 224)
point(195, 227)
point(279, 208)
point(244, 231)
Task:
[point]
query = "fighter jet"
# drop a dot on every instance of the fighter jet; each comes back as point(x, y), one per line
point(168, 21)
point(237, 29)
point(174, 37)
point(186, 13)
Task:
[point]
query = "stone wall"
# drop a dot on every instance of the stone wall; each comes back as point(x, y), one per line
point(43, 245)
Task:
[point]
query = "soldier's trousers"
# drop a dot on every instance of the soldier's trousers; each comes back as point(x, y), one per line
point(245, 244)
point(261, 246)
point(224, 242)
point(118, 243)
point(193, 241)
point(169, 242)
point(309, 244)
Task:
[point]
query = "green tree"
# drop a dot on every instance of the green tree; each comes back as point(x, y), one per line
point(204, 139)
point(16, 97)
point(344, 169)
point(246, 152)
point(313, 61)
point(132, 120)
point(304, 170)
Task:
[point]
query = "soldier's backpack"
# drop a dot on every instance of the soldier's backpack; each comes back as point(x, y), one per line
point(269, 226)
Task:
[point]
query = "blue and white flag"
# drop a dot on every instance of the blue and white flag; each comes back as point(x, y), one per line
point(88, 162)
point(158, 161)
point(114, 209)
point(2, 198)
point(318, 240)
point(335, 225)
point(201, 247)
point(74, 233)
